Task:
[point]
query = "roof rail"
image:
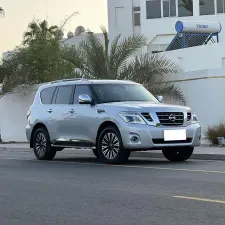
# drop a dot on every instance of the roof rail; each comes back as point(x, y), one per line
point(65, 80)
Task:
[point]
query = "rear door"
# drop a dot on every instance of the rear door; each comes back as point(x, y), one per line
point(62, 102)
point(46, 111)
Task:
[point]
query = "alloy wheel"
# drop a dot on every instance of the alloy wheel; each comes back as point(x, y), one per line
point(110, 146)
point(40, 144)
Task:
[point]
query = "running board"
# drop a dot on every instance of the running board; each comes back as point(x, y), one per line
point(71, 146)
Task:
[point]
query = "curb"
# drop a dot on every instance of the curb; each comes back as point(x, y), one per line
point(7, 149)
point(147, 154)
point(218, 157)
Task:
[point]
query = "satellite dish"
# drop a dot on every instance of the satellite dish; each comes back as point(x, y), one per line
point(70, 34)
point(79, 30)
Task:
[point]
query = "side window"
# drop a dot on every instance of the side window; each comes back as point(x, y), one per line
point(46, 95)
point(64, 95)
point(79, 90)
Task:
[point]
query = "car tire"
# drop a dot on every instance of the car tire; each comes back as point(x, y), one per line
point(42, 145)
point(95, 152)
point(110, 147)
point(178, 154)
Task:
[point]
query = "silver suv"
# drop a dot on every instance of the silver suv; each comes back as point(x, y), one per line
point(111, 117)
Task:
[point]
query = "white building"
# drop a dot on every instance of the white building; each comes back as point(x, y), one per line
point(156, 18)
point(80, 34)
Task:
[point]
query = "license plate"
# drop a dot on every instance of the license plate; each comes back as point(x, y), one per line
point(175, 135)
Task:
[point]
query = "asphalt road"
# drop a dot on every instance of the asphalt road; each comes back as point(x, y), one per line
point(78, 190)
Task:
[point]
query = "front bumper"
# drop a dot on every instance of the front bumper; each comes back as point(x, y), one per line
point(28, 132)
point(152, 138)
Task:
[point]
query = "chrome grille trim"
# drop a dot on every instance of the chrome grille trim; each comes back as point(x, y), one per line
point(164, 118)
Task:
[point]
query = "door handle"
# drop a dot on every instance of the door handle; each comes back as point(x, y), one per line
point(71, 111)
point(50, 110)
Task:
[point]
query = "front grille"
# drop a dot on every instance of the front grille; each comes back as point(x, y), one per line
point(147, 116)
point(171, 118)
point(161, 141)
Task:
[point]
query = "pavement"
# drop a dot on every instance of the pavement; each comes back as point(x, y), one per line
point(203, 152)
point(78, 190)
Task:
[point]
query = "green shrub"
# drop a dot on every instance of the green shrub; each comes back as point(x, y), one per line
point(212, 132)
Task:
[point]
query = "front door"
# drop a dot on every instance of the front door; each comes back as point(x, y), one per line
point(83, 119)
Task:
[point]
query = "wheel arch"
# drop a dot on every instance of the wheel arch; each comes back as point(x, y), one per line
point(37, 126)
point(103, 126)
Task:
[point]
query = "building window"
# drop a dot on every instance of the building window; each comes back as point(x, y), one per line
point(137, 16)
point(220, 6)
point(207, 7)
point(160, 8)
point(185, 8)
point(166, 9)
point(137, 9)
point(153, 9)
point(169, 8)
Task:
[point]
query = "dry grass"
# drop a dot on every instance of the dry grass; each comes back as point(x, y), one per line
point(212, 132)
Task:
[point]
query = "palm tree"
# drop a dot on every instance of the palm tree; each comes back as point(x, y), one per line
point(115, 61)
point(40, 31)
point(2, 12)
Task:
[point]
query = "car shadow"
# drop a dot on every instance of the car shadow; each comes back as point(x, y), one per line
point(131, 162)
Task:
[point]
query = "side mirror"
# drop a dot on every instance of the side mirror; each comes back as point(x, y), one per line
point(160, 98)
point(85, 99)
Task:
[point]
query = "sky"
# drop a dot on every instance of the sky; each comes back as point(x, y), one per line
point(18, 14)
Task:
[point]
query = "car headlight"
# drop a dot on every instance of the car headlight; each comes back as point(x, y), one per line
point(132, 117)
point(194, 119)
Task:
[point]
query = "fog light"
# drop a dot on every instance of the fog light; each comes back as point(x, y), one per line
point(134, 139)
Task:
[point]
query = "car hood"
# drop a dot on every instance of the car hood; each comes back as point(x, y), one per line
point(147, 106)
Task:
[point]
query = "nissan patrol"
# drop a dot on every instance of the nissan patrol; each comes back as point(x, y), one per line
point(111, 117)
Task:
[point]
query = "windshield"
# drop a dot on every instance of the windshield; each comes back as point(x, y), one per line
point(122, 92)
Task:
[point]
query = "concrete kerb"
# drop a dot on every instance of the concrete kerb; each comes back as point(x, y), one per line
point(217, 154)
point(194, 156)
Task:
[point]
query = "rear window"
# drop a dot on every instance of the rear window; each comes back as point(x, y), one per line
point(64, 95)
point(47, 95)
